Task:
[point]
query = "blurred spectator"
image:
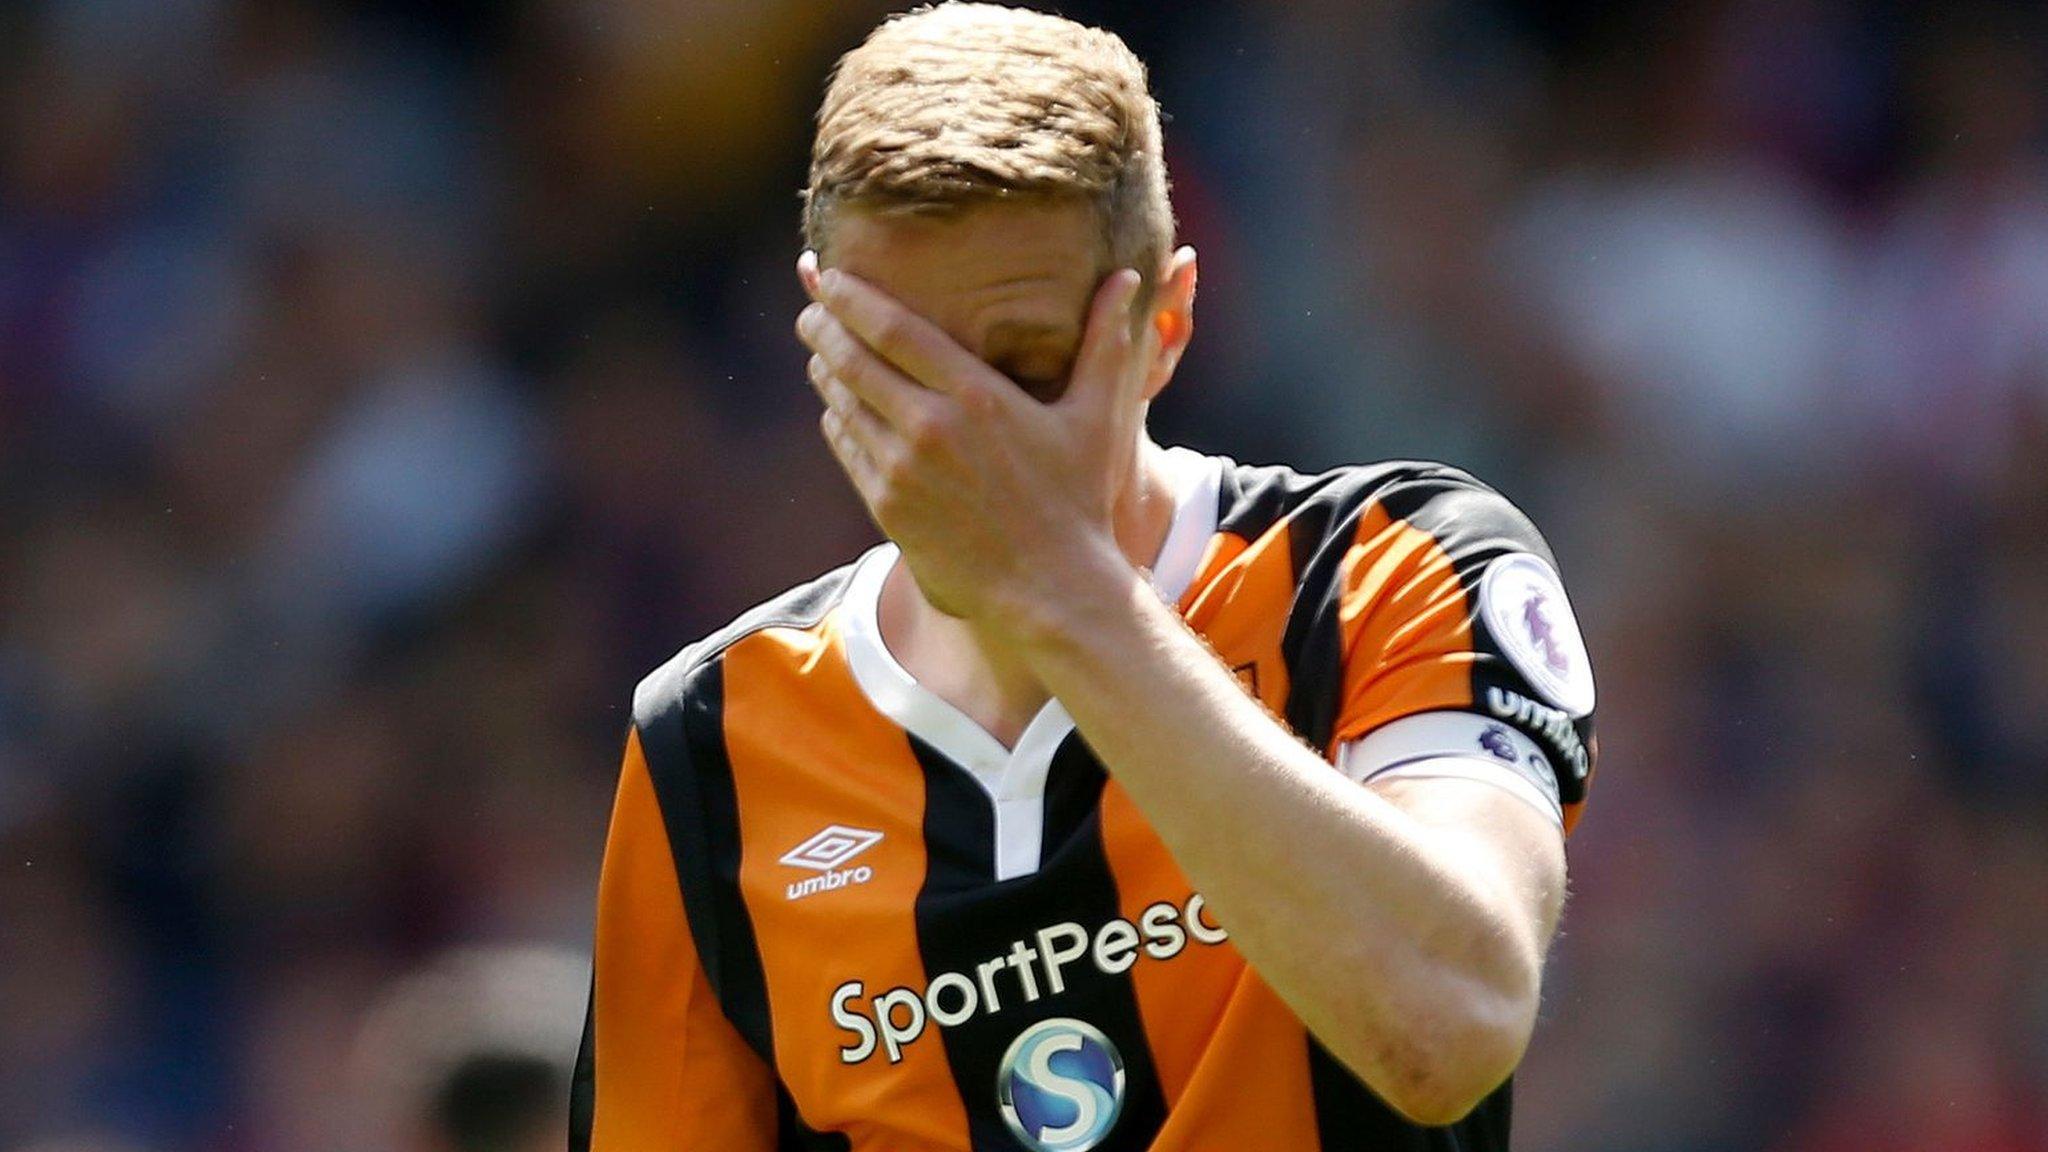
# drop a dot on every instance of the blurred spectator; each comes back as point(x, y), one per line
point(473, 1053)
point(1953, 357)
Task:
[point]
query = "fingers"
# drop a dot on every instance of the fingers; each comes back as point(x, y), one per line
point(837, 353)
point(880, 444)
point(1103, 370)
point(863, 429)
point(914, 345)
point(837, 396)
point(807, 272)
point(853, 459)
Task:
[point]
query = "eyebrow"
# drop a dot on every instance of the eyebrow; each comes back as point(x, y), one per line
point(1010, 335)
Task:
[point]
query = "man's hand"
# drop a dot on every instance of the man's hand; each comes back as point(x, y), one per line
point(990, 494)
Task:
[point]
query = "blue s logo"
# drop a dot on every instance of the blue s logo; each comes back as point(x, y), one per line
point(1061, 1086)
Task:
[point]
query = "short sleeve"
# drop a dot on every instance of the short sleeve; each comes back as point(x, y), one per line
point(1445, 598)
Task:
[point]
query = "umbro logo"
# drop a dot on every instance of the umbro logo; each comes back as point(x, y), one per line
point(823, 853)
point(834, 845)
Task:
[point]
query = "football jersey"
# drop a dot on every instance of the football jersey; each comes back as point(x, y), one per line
point(835, 913)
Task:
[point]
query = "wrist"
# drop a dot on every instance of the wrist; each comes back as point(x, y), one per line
point(1084, 593)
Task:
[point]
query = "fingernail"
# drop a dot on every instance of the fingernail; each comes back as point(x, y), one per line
point(807, 320)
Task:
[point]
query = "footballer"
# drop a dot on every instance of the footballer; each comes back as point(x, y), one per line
point(1126, 798)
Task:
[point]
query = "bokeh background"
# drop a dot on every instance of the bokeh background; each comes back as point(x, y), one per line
point(386, 384)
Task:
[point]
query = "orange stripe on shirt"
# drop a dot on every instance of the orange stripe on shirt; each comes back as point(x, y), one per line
point(807, 752)
point(1407, 628)
point(671, 1072)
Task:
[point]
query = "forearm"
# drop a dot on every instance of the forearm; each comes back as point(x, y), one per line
point(1410, 965)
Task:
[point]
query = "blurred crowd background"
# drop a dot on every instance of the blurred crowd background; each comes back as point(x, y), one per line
point(386, 384)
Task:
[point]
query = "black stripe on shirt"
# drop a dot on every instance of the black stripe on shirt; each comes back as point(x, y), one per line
point(1253, 499)
point(965, 918)
point(692, 774)
point(797, 1136)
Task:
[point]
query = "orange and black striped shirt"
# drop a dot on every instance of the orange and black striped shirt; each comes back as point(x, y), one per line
point(836, 914)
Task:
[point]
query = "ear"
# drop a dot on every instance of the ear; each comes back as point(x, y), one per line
point(1172, 319)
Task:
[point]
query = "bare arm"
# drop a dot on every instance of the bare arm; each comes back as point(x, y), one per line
point(1405, 923)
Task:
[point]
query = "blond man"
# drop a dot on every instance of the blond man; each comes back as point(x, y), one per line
point(1127, 798)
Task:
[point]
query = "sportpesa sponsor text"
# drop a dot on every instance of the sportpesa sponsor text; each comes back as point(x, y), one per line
point(1036, 967)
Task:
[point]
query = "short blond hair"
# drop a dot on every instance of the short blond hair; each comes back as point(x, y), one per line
point(966, 103)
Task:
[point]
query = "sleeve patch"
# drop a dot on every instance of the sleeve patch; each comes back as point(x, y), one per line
point(1461, 744)
point(1525, 610)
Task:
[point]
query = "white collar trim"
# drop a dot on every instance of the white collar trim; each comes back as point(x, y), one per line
point(1014, 779)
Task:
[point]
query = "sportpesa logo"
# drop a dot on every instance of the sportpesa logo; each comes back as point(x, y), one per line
point(1061, 1086)
point(1032, 968)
